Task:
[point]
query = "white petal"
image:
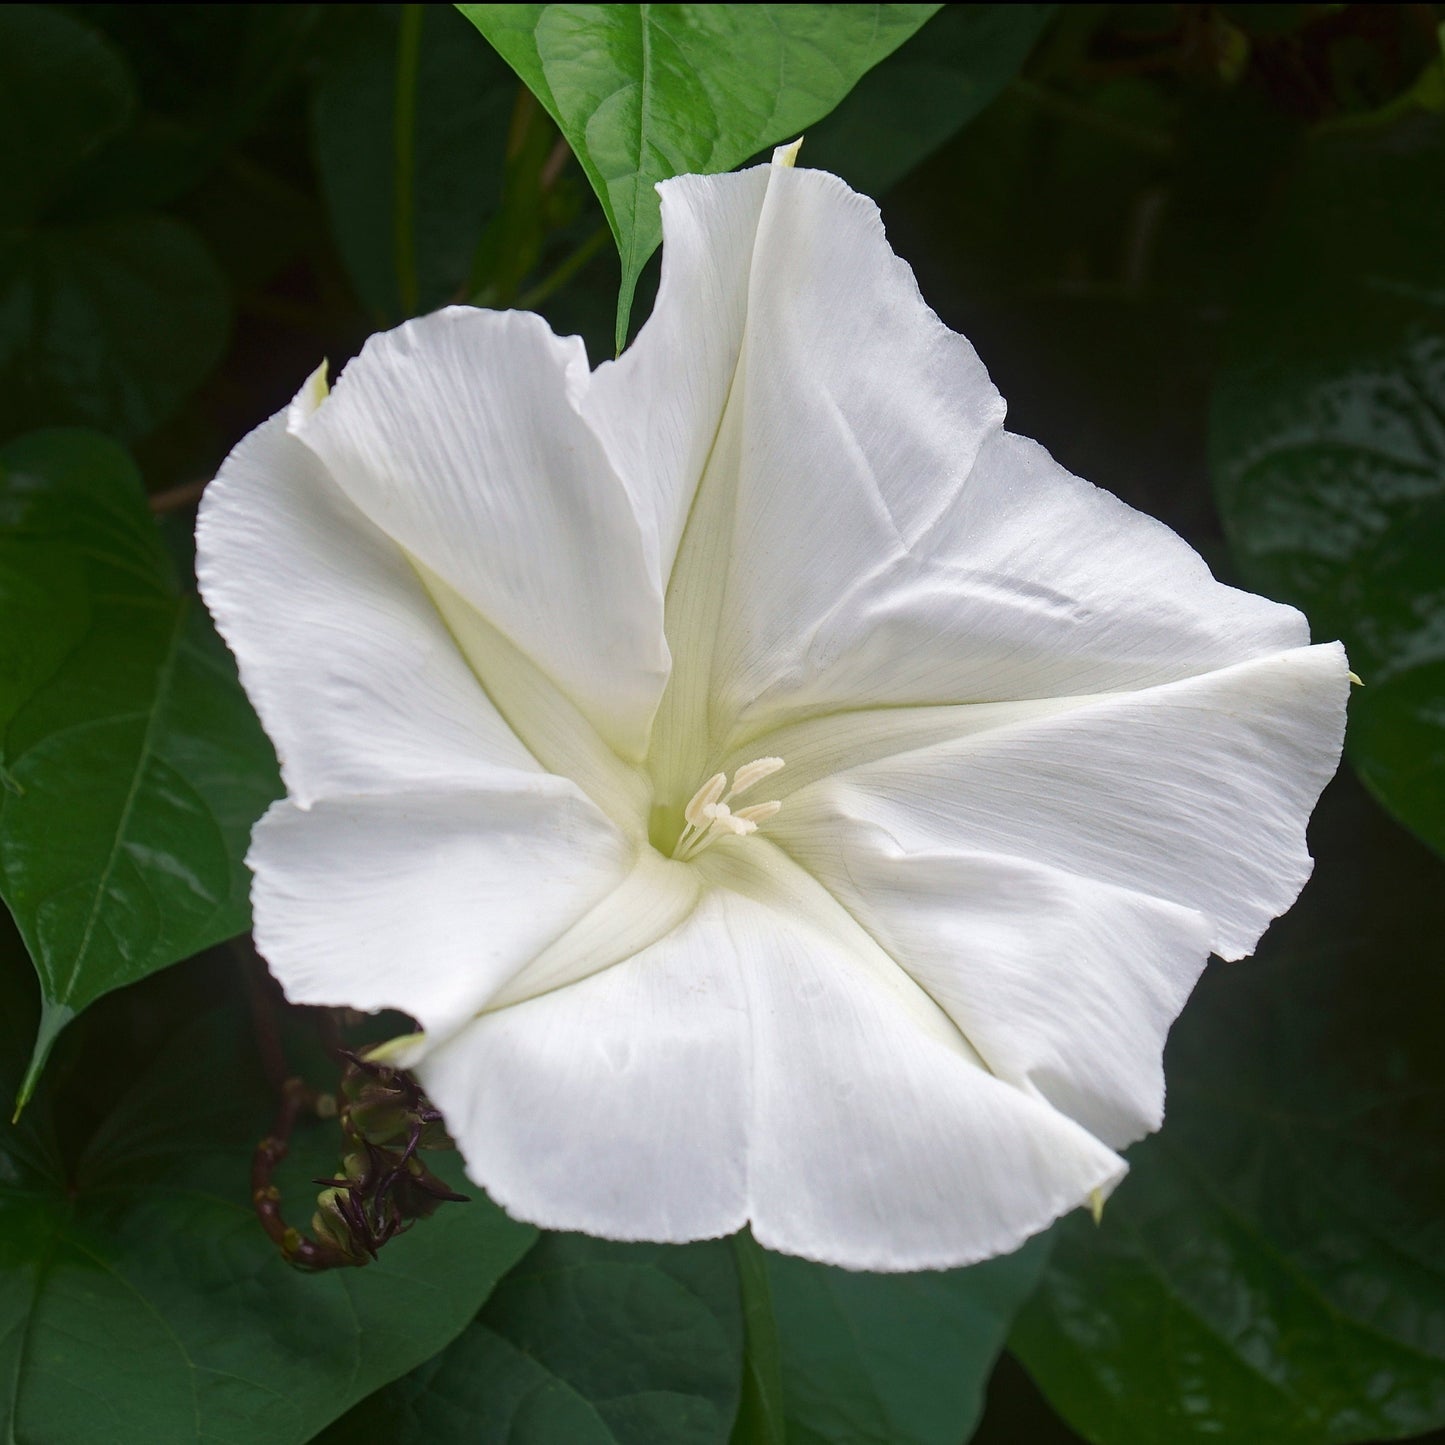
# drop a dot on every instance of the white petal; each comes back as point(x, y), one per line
point(1195, 792)
point(869, 533)
point(1031, 584)
point(877, 1147)
point(656, 897)
point(555, 730)
point(458, 435)
point(616, 1105)
point(356, 678)
point(657, 408)
point(860, 418)
point(747, 1067)
point(853, 417)
point(817, 747)
point(1065, 986)
point(429, 903)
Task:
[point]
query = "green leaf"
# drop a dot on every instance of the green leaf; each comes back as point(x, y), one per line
point(877, 1359)
point(925, 92)
point(602, 1343)
point(63, 93)
point(133, 767)
point(586, 1342)
point(1328, 444)
point(449, 177)
point(109, 325)
point(644, 92)
point(1273, 1267)
point(140, 1300)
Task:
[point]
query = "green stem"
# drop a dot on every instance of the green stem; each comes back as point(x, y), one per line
point(509, 243)
point(408, 58)
point(760, 1418)
point(550, 284)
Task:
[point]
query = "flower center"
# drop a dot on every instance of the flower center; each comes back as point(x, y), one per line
point(710, 816)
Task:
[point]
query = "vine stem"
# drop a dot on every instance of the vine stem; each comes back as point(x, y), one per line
point(296, 1099)
point(550, 284)
point(175, 499)
point(760, 1419)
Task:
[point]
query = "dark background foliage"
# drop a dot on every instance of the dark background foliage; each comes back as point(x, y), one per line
point(1199, 248)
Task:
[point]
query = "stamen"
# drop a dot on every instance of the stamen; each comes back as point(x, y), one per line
point(759, 812)
point(704, 798)
point(709, 817)
point(754, 772)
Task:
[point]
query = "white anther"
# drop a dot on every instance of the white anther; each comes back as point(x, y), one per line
point(758, 812)
point(754, 772)
point(709, 817)
point(705, 797)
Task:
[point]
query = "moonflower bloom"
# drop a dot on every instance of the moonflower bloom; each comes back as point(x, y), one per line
point(780, 794)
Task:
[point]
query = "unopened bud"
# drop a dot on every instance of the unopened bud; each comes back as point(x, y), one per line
point(419, 1193)
point(332, 1225)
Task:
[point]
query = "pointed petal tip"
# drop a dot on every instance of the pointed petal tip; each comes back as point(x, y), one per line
point(402, 1052)
point(307, 401)
point(787, 155)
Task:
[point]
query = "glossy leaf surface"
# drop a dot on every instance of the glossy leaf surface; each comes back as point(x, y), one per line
point(133, 764)
point(1328, 441)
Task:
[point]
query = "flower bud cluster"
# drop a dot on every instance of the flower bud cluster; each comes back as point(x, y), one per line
point(383, 1187)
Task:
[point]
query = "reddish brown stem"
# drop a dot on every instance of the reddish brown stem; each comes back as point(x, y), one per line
point(176, 499)
point(266, 1197)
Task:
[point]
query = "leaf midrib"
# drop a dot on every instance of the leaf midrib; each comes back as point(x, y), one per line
point(165, 676)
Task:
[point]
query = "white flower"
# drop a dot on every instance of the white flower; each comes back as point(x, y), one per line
point(517, 627)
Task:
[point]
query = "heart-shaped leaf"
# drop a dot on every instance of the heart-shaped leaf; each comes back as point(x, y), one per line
point(644, 92)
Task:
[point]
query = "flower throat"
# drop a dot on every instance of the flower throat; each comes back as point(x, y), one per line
point(710, 816)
